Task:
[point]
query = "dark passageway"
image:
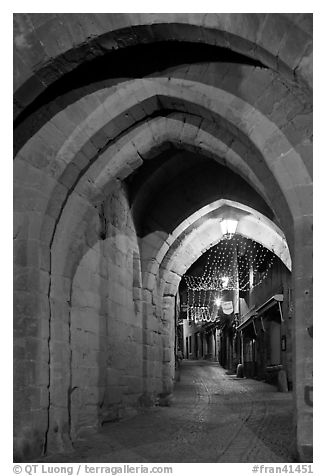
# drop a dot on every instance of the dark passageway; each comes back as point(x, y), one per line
point(214, 417)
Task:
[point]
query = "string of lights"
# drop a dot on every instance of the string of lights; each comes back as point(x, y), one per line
point(234, 264)
point(201, 313)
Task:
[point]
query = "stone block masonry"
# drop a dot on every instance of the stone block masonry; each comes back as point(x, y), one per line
point(110, 163)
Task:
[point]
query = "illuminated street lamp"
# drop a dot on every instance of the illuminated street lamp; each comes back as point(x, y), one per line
point(229, 227)
point(218, 302)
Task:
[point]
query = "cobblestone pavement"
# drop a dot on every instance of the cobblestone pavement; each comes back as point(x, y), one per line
point(214, 417)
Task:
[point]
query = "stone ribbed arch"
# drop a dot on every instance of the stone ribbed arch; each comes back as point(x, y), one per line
point(71, 216)
point(79, 204)
point(261, 88)
point(60, 186)
point(144, 141)
point(239, 114)
point(280, 159)
point(134, 146)
point(268, 38)
point(99, 131)
point(276, 160)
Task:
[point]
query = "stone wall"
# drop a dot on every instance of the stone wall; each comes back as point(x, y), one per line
point(106, 327)
point(101, 357)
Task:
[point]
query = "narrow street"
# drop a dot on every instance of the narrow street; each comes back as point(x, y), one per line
point(213, 418)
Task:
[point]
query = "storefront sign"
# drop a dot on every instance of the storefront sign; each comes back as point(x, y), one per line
point(227, 307)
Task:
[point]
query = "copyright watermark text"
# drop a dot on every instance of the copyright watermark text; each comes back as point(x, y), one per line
point(285, 468)
point(81, 469)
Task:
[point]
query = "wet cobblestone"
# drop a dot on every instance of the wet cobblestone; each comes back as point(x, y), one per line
point(214, 417)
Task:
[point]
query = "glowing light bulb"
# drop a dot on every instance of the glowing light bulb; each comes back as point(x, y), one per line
point(229, 226)
point(218, 301)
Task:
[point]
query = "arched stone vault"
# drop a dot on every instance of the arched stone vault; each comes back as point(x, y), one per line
point(196, 241)
point(71, 149)
point(202, 230)
point(268, 38)
point(70, 172)
point(174, 254)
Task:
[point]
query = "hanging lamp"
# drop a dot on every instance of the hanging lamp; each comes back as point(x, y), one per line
point(229, 226)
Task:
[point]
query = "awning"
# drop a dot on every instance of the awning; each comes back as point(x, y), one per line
point(272, 301)
point(247, 318)
point(277, 298)
point(254, 312)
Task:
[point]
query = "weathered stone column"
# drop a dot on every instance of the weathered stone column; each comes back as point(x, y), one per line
point(30, 311)
point(302, 340)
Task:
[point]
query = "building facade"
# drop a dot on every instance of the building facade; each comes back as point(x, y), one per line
point(255, 333)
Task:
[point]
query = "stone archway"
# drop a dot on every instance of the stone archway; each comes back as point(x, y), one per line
point(259, 36)
point(79, 157)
